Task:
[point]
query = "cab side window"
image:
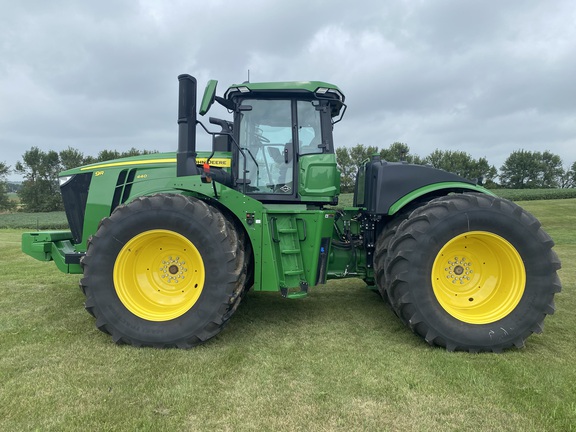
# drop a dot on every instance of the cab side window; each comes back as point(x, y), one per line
point(309, 130)
point(266, 139)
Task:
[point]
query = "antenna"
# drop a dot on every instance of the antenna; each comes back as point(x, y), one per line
point(248, 80)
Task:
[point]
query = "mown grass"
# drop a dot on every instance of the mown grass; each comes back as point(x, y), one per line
point(337, 360)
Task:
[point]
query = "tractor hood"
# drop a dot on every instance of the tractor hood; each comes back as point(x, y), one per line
point(133, 161)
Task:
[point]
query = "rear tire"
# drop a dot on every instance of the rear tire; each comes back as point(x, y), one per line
point(380, 254)
point(164, 271)
point(472, 272)
point(382, 245)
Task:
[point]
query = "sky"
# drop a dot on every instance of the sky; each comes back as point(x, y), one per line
point(487, 78)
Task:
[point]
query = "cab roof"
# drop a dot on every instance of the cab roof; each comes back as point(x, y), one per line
point(319, 88)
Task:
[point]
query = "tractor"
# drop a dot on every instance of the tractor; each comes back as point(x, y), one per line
point(168, 244)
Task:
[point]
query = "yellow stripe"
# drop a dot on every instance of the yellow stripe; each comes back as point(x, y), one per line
point(217, 162)
point(116, 164)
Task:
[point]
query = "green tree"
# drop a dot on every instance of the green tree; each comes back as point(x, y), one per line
point(529, 170)
point(106, 155)
point(400, 152)
point(359, 153)
point(135, 152)
point(71, 158)
point(462, 164)
point(346, 167)
point(552, 170)
point(12, 186)
point(520, 170)
point(349, 160)
point(40, 190)
point(569, 177)
point(5, 202)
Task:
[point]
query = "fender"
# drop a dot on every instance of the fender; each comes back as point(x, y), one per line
point(385, 187)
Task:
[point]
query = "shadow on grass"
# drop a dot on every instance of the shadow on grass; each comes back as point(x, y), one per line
point(342, 309)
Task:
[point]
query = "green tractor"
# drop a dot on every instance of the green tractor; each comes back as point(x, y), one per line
point(168, 244)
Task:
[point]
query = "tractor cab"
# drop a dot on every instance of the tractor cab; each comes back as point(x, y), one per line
point(281, 139)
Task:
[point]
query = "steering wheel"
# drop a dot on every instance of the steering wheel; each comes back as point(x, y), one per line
point(261, 138)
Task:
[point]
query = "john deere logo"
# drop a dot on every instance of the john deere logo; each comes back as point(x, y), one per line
point(215, 162)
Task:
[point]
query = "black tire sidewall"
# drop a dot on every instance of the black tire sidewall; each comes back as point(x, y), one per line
point(201, 232)
point(517, 231)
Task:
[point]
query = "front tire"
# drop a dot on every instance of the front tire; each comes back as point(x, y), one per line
point(472, 272)
point(164, 271)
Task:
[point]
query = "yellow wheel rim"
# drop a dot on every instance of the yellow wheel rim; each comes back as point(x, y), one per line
point(159, 275)
point(478, 277)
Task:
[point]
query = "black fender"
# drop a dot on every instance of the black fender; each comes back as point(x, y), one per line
point(385, 187)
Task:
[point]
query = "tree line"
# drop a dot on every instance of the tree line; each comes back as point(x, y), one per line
point(39, 192)
point(521, 170)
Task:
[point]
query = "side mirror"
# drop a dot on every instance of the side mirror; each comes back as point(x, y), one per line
point(209, 97)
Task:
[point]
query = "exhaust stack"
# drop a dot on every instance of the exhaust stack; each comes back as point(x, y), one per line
point(186, 156)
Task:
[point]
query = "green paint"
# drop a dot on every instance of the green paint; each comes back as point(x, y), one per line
point(448, 186)
point(318, 178)
point(293, 86)
point(208, 98)
point(51, 246)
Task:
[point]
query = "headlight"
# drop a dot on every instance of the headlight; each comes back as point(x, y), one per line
point(64, 180)
point(324, 90)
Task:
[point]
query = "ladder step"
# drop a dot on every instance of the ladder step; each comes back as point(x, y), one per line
point(292, 294)
point(296, 295)
point(293, 272)
point(290, 251)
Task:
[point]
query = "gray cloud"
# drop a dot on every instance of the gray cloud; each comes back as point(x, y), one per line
point(484, 77)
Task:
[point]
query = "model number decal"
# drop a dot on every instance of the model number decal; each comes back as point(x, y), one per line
point(142, 176)
point(98, 173)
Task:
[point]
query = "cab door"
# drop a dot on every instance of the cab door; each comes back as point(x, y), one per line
point(318, 174)
point(266, 164)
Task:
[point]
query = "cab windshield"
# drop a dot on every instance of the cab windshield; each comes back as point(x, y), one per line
point(268, 132)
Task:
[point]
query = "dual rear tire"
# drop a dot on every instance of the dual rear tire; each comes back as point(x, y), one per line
point(469, 272)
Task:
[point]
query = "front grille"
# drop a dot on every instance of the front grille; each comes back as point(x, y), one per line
point(75, 196)
point(123, 188)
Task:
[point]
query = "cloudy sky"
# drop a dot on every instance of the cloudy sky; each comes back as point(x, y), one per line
point(483, 77)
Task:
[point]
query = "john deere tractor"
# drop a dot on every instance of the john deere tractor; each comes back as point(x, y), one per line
point(169, 243)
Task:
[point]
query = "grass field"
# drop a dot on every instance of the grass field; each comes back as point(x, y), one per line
point(49, 220)
point(337, 360)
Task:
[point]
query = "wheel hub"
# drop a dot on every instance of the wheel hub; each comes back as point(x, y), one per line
point(173, 270)
point(159, 275)
point(458, 270)
point(478, 277)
